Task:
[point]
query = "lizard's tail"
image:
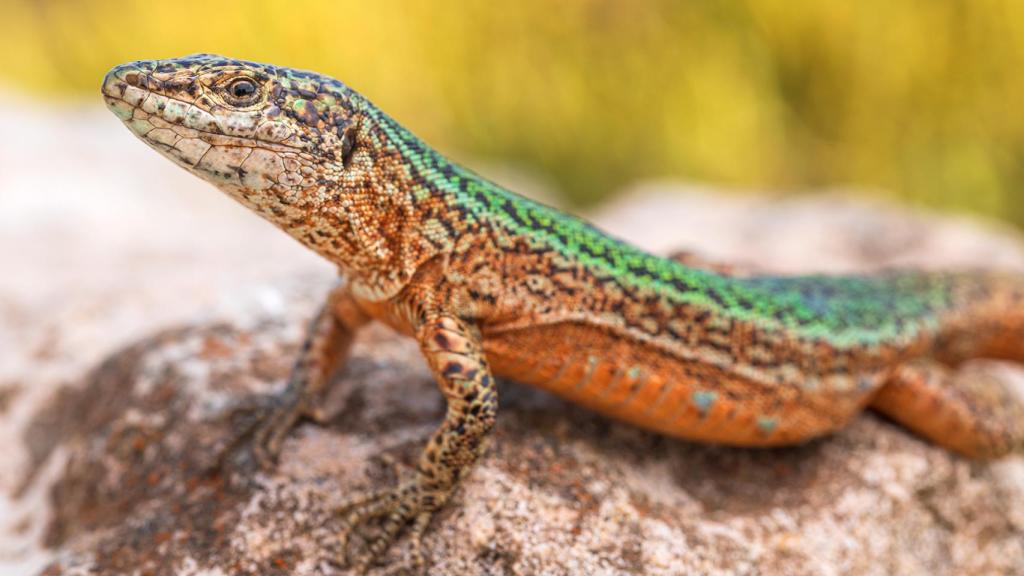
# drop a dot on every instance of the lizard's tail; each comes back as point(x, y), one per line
point(974, 412)
point(986, 319)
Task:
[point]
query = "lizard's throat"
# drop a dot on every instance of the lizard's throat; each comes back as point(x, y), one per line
point(360, 235)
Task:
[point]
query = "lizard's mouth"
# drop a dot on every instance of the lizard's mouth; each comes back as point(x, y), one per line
point(235, 147)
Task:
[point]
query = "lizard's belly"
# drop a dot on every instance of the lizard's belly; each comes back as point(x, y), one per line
point(651, 388)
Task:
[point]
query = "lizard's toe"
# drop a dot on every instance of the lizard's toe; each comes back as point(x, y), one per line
point(267, 426)
point(286, 411)
point(270, 436)
point(396, 508)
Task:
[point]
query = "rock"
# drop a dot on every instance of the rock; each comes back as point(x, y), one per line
point(135, 358)
point(561, 491)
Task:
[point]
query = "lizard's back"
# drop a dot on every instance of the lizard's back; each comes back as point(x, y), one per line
point(757, 360)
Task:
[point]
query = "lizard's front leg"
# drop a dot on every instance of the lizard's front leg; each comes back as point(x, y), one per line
point(455, 356)
point(323, 353)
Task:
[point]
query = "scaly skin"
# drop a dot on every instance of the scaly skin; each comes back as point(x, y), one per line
point(490, 283)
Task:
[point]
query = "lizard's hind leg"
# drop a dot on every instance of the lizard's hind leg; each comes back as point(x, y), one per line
point(970, 411)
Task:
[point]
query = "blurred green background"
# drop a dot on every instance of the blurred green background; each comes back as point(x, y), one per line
point(914, 99)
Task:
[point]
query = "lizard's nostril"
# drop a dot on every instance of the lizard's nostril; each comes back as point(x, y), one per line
point(118, 79)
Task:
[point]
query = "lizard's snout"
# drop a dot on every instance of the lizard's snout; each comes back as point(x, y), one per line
point(115, 82)
point(123, 89)
point(129, 86)
point(131, 75)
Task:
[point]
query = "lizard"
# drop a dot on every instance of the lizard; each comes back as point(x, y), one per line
point(492, 284)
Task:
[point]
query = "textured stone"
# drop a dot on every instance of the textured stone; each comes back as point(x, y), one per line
point(136, 356)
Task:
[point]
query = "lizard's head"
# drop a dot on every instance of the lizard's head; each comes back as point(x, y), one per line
point(237, 124)
point(284, 142)
point(301, 149)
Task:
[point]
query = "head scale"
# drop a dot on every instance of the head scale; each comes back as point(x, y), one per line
point(301, 149)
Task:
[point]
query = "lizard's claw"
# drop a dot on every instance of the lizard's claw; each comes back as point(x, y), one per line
point(266, 427)
point(397, 507)
point(287, 410)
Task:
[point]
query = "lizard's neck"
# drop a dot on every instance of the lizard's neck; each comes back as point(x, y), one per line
point(392, 208)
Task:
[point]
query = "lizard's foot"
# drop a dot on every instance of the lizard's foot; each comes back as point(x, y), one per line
point(396, 508)
point(266, 424)
point(293, 405)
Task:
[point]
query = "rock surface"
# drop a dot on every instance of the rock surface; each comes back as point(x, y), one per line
point(135, 355)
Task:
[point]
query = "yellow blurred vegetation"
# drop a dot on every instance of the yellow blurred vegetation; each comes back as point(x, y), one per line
point(917, 99)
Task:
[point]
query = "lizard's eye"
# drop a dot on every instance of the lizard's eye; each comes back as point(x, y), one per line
point(241, 92)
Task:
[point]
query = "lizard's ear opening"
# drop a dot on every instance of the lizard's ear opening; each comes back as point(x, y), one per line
point(348, 144)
